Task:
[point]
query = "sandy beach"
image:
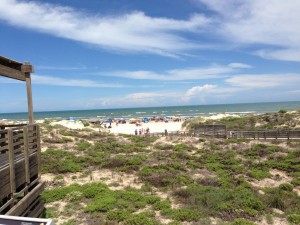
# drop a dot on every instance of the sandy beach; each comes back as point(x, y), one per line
point(153, 126)
point(128, 128)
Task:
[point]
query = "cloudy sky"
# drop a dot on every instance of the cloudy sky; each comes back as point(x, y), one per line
point(96, 54)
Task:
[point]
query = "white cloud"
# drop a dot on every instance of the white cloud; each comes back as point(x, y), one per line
point(145, 95)
point(134, 32)
point(200, 73)
point(239, 66)
point(274, 23)
point(198, 92)
point(285, 54)
point(200, 89)
point(56, 81)
point(41, 67)
point(137, 99)
point(264, 80)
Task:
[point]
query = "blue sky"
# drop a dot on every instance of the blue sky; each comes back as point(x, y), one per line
point(96, 54)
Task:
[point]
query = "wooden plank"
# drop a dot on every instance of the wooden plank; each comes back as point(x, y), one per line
point(32, 139)
point(8, 203)
point(4, 148)
point(20, 142)
point(38, 210)
point(12, 73)
point(3, 139)
point(32, 209)
point(18, 135)
point(25, 202)
point(20, 178)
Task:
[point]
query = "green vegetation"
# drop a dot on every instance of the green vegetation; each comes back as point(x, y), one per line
point(182, 181)
point(60, 161)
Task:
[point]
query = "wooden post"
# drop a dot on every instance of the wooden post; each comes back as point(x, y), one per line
point(29, 98)
point(26, 156)
point(26, 69)
point(11, 162)
point(38, 149)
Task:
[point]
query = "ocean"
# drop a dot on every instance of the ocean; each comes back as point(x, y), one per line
point(187, 111)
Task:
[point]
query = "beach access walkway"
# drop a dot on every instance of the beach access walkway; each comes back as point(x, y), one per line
point(20, 167)
point(285, 134)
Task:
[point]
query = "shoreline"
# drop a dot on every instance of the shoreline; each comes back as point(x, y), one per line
point(162, 111)
point(131, 126)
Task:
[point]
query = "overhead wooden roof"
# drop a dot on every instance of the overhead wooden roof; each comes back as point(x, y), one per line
point(13, 69)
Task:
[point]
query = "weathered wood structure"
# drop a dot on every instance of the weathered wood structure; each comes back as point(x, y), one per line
point(220, 131)
point(20, 153)
point(212, 130)
point(266, 134)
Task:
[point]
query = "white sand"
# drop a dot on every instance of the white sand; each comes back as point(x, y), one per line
point(127, 128)
point(69, 124)
point(153, 127)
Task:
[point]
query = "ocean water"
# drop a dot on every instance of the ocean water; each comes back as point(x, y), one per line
point(187, 111)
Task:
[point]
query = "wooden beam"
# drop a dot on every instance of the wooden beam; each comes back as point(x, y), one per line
point(11, 73)
point(27, 68)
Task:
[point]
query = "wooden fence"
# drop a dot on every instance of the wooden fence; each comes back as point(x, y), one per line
point(20, 170)
point(257, 134)
point(266, 134)
point(188, 134)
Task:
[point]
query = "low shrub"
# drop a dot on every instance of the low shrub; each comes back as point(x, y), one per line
point(294, 218)
point(83, 145)
point(286, 187)
point(183, 214)
point(258, 174)
point(141, 219)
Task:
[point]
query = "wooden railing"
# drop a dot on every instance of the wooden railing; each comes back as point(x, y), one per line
point(20, 168)
point(257, 134)
point(266, 134)
point(188, 134)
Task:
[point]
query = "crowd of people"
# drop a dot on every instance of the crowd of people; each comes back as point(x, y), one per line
point(142, 131)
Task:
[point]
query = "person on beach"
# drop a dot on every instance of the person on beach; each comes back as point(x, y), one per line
point(136, 132)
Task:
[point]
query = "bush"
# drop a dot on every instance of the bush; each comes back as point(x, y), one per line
point(162, 205)
point(83, 145)
point(185, 214)
point(282, 111)
point(296, 181)
point(222, 201)
point(259, 174)
point(140, 219)
point(286, 187)
point(51, 213)
point(104, 202)
point(118, 215)
point(294, 218)
point(59, 161)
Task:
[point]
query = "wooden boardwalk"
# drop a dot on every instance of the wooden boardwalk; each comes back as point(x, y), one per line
point(20, 168)
point(235, 134)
